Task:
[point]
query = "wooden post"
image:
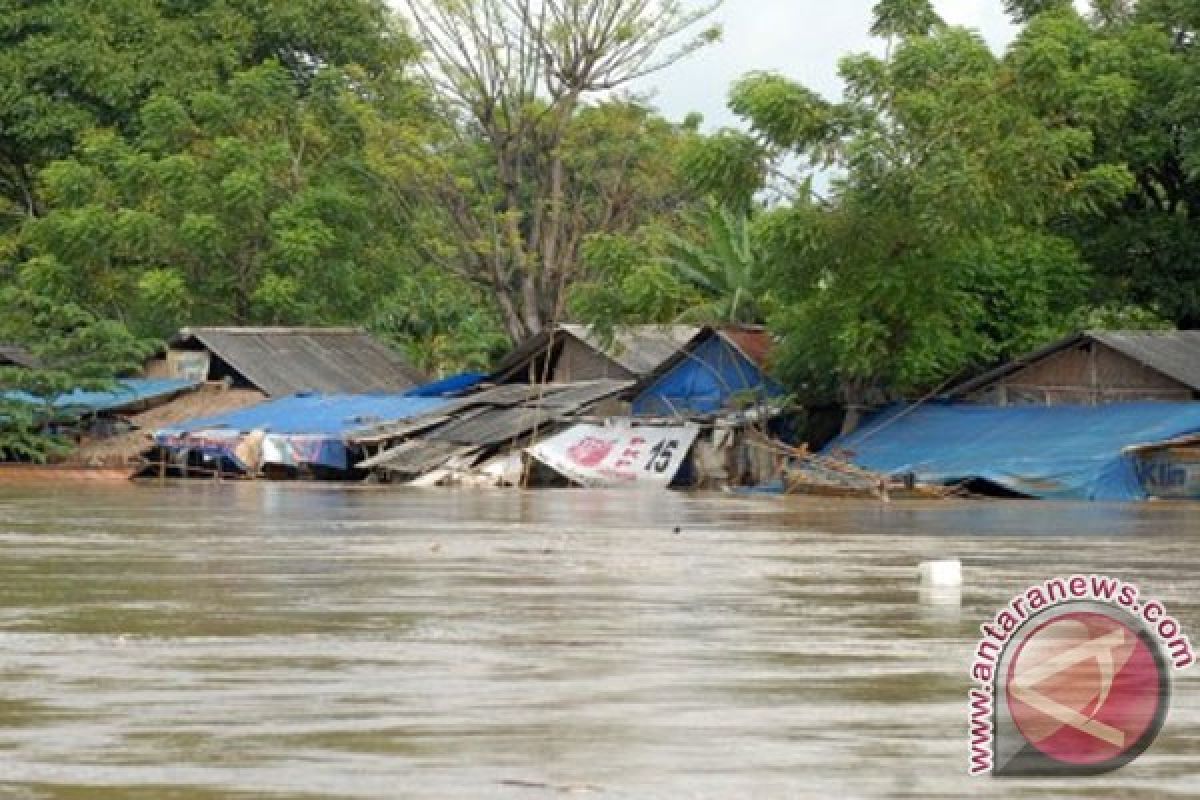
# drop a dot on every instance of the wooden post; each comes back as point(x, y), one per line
point(1093, 377)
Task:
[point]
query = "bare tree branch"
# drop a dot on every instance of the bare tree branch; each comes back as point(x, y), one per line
point(512, 76)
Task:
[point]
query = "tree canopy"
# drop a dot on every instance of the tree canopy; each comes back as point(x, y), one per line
point(459, 175)
point(969, 205)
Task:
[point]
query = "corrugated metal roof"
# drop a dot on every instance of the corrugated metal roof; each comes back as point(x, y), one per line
point(638, 348)
point(497, 416)
point(569, 398)
point(509, 412)
point(755, 343)
point(511, 395)
point(284, 361)
point(495, 426)
point(416, 456)
point(1175, 354)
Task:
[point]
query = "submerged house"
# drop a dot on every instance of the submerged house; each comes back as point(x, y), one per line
point(284, 361)
point(321, 382)
point(479, 433)
point(1095, 368)
point(102, 422)
point(1116, 452)
point(716, 370)
point(305, 435)
point(1095, 416)
point(506, 429)
point(694, 412)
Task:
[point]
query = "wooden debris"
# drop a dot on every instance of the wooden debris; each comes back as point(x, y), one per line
point(810, 473)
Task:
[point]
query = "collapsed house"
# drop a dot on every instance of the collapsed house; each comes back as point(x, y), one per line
point(1095, 416)
point(480, 436)
point(1116, 452)
point(496, 430)
point(302, 436)
point(93, 419)
point(690, 408)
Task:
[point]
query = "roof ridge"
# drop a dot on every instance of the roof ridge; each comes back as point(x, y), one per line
point(283, 330)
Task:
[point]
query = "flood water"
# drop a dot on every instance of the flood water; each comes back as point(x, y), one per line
point(244, 641)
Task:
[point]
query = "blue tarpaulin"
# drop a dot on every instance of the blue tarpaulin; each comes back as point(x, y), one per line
point(704, 381)
point(1052, 452)
point(315, 413)
point(125, 393)
point(302, 429)
point(453, 385)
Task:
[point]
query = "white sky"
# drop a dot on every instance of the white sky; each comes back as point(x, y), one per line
point(803, 39)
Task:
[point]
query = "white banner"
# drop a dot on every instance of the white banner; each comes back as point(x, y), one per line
point(601, 456)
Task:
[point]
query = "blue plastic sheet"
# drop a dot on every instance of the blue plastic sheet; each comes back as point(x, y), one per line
point(126, 392)
point(455, 384)
point(1055, 452)
point(309, 428)
point(315, 413)
point(703, 382)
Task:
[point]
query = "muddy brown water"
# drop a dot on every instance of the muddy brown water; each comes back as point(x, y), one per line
point(247, 641)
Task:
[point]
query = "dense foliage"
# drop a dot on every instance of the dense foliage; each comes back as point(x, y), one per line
point(465, 173)
point(957, 206)
point(75, 350)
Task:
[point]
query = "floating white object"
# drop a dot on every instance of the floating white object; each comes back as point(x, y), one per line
point(941, 604)
point(941, 573)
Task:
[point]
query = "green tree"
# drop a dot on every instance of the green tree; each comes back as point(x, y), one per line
point(250, 204)
point(629, 280)
point(74, 350)
point(726, 265)
point(932, 251)
point(530, 162)
point(1145, 250)
point(205, 162)
point(69, 67)
point(442, 324)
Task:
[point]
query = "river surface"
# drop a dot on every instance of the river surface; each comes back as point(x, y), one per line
point(258, 641)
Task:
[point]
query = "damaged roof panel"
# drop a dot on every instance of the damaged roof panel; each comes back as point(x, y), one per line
point(416, 456)
point(496, 426)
